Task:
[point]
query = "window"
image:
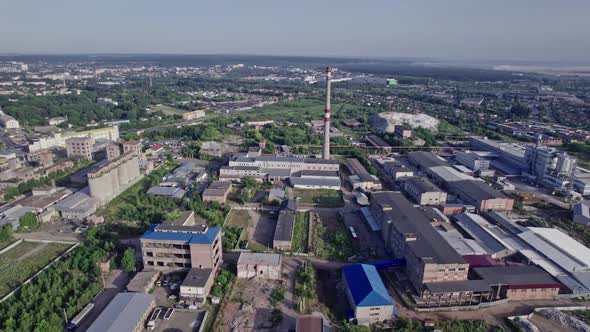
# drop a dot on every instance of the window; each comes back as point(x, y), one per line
point(373, 315)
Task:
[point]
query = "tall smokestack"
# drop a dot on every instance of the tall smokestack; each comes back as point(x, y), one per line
point(326, 152)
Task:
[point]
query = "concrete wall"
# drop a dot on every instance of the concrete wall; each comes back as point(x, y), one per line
point(259, 271)
point(532, 294)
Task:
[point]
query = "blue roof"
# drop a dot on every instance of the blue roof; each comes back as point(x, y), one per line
point(195, 238)
point(366, 286)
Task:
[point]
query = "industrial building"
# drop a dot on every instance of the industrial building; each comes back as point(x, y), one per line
point(474, 160)
point(397, 170)
point(360, 178)
point(195, 287)
point(479, 229)
point(260, 265)
point(582, 185)
point(143, 281)
point(481, 195)
point(283, 234)
point(293, 164)
point(114, 177)
point(8, 121)
point(402, 132)
point(171, 192)
point(193, 115)
point(519, 282)
point(455, 293)
point(82, 147)
point(217, 192)
point(367, 294)
point(125, 312)
point(407, 231)
point(181, 244)
point(424, 192)
point(581, 214)
point(506, 157)
point(549, 167)
point(425, 160)
point(379, 144)
point(78, 206)
point(58, 140)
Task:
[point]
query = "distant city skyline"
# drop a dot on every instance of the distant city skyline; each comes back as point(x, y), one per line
point(539, 30)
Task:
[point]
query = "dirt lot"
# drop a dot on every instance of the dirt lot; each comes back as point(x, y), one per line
point(250, 308)
point(259, 227)
point(367, 238)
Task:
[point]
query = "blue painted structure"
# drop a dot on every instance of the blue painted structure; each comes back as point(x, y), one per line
point(365, 285)
point(388, 264)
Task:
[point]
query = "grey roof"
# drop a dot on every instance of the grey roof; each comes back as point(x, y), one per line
point(378, 141)
point(310, 172)
point(357, 168)
point(458, 286)
point(517, 275)
point(449, 174)
point(474, 225)
point(197, 277)
point(77, 201)
point(478, 190)
point(422, 185)
point(217, 188)
point(284, 229)
point(409, 220)
point(168, 226)
point(282, 172)
point(123, 313)
point(259, 259)
point(330, 182)
point(426, 159)
point(287, 159)
point(166, 191)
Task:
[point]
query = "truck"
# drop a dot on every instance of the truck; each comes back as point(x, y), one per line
point(75, 322)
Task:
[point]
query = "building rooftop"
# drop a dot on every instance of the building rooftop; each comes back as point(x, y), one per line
point(479, 190)
point(167, 191)
point(259, 259)
point(197, 277)
point(286, 160)
point(325, 182)
point(422, 185)
point(449, 174)
point(123, 313)
point(426, 159)
point(217, 188)
point(366, 287)
point(284, 227)
point(516, 275)
point(355, 167)
point(141, 280)
point(475, 226)
point(185, 234)
point(407, 219)
point(310, 172)
point(77, 201)
point(458, 286)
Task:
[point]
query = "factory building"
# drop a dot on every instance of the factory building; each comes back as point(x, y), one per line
point(407, 231)
point(195, 287)
point(455, 293)
point(402, 132)
point(113, 178)
point(425, 160)
point(8, 121)
point(78, 206)
point(424, 192)
point(474, 160)
point(549, 167)
point(360, 178)
point(188, 116)
point(582, 185)
point(478, 229)
point(181, 244)
point(397, 170)
point(58, 140)
point(581, 214)
point(367, 294)
point(519, 282)
point(379, 144)
point(217, 192)
point(507, 157)
point(294, 164)
point(283, 234)
point(125, 312)
point(260, 265)
point(82, 147)
point(481, 195)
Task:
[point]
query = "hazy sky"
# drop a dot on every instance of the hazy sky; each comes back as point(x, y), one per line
point(465, 29)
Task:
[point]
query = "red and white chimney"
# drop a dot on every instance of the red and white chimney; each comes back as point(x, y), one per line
point(326, 151)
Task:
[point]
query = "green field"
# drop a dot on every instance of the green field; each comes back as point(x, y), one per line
point(24, 260)
point(320, 197)
point(300, 232)
point(237, 218)
point(168, 110)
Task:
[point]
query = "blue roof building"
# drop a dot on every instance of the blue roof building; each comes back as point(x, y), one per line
point(367, 294)
point(169, 245)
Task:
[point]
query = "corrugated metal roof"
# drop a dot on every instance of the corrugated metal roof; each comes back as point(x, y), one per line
point(123, 313)
point(366, 286)
point(475, 226)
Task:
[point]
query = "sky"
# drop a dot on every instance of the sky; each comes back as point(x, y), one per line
point(555, 30)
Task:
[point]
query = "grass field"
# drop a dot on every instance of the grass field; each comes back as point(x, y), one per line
point(320, 197)
point(168, 110)
point(300, 232)
point(24, 260)
point(4, 244)
point(237, 218)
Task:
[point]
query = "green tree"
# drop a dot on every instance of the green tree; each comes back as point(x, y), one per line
point(128, 260)
point(28, 223)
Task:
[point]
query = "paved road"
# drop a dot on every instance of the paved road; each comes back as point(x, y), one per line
point(523, 187)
